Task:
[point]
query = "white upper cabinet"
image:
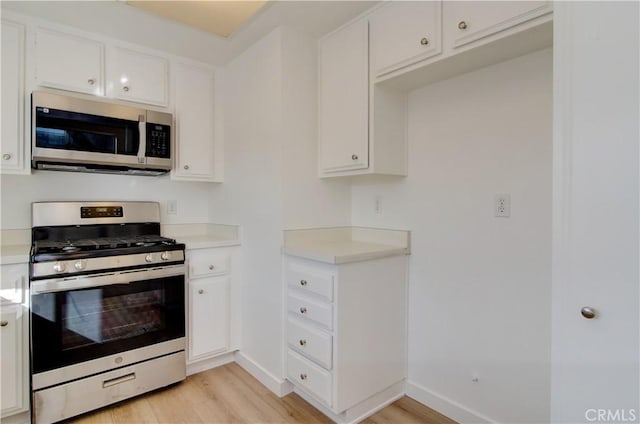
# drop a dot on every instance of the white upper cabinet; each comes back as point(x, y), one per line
point(12, 149)
point(193, 93)
point(469, 21)
point(69, 62)
point(403, 33)
point(344, 99)
point(138, 77)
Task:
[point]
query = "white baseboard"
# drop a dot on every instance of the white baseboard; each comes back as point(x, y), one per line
point(277, 385)
point(444, 405)
point(361, 411)
point(207, 364)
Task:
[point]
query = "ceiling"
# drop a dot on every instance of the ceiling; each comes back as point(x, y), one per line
point(119, 20)
point(219, 17)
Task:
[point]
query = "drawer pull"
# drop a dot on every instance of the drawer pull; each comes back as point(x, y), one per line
point(303, 310)
point(303, 282)
point(201, 291)
point(4, 323)
point(211, 267)
point(118, 380)
point(303, 342)
point(303, 376)
point(463, 25)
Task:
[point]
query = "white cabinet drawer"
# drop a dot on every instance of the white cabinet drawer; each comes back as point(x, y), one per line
point(204, 263)
point(310, 342)
point(311, 280)
point(309, 376)
point(316, 311)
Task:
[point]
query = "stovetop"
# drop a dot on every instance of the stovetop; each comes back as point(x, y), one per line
point(83, 245)
point(55, 250)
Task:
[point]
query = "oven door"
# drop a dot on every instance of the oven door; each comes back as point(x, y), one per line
point(75, 321)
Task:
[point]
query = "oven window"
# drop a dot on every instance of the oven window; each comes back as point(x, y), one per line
point(74, 326)
point(88, 317)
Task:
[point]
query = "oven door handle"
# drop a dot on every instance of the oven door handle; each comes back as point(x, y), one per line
point(106, 279)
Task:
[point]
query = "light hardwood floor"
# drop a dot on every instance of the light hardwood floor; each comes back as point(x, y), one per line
point(229, 394)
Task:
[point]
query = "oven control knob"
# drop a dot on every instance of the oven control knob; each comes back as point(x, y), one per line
point(148, 258)
point(165, 256)
point(80, 265)
point(59, 266)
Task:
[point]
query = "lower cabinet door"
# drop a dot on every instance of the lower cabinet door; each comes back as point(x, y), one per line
point(13, 363)
point(208, 317)
point(307, 375)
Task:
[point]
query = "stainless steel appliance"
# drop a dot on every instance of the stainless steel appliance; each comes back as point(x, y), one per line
point(74, 134)
point(107, 306)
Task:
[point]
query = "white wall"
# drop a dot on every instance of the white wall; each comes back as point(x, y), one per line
point(479, 294)
point(18, 191)
point(270, 176)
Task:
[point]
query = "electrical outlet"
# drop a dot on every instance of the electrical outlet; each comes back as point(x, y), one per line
point(502, 206)
point(172, 207)
point(377, 204)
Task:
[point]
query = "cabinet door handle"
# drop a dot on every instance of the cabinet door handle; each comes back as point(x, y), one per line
point(6, 156)
point(186, 167)
point(588, 312)
point(91, 81)
point(125, 88)
point(462, 25)
point(303, 282)
point(302, 342)
point(4, 323)
point(424, 41)
point(211, 267)
point(303, 310)
point(201, 291)
point(303, 376)
point(354, 157)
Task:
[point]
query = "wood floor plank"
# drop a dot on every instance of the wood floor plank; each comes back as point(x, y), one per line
point(229, 395)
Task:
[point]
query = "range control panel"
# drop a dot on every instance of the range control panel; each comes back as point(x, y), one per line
point(101, 212)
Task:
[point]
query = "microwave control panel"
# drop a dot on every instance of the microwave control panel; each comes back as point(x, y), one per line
point(158, 141)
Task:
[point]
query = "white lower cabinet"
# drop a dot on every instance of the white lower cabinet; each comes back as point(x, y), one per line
point(14, 336)
point(345, 329)
point(209, 303)
point(209, 316)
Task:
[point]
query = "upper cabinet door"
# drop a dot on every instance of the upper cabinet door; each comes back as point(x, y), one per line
point(403, 33)
point(468, 21)
point(69, 62)
point(12, 141)
point(139, 77)
point(194, 114)
point(344, 99)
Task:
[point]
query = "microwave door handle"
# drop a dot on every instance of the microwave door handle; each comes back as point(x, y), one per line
point(142, 146)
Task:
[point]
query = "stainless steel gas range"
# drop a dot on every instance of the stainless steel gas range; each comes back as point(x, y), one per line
point(107, 306)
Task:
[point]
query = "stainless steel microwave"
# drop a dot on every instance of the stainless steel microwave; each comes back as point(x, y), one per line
point(74, 134)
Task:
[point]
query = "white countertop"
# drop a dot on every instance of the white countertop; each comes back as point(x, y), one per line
point(14, 254)
point(15, 246)
point(203, 236)
point(346, 244)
